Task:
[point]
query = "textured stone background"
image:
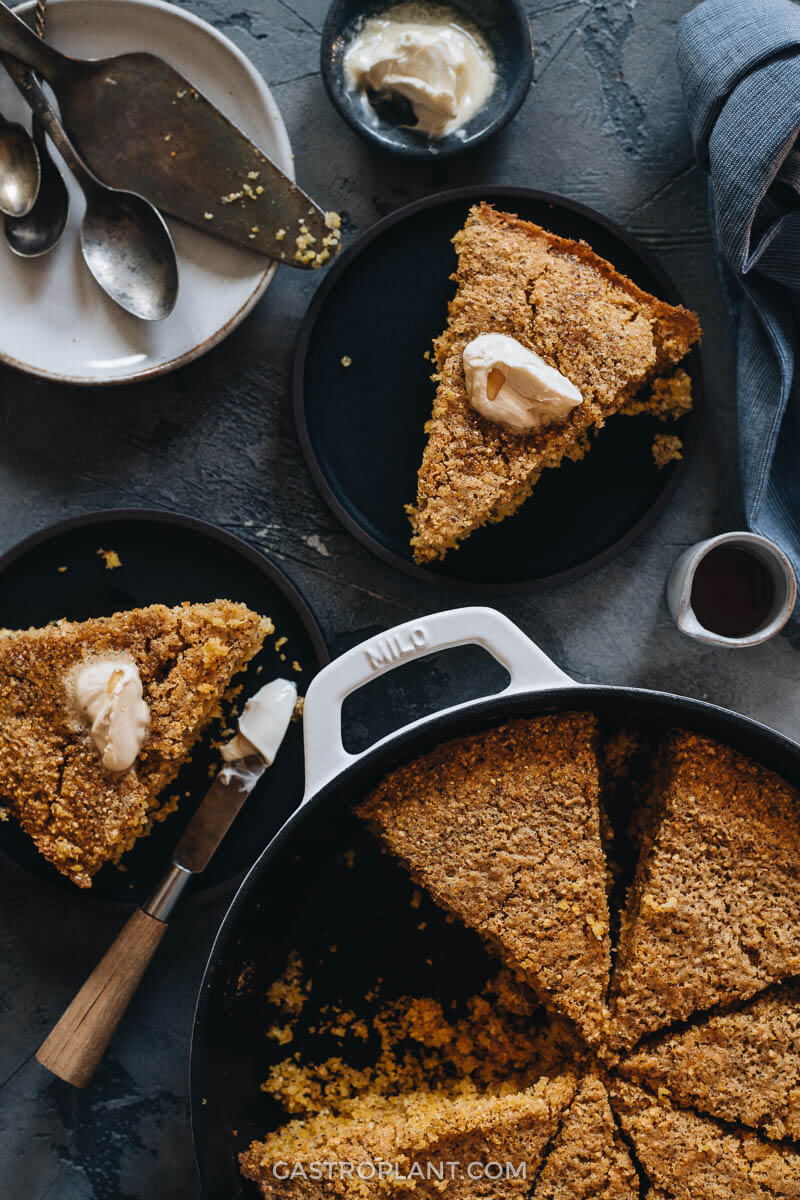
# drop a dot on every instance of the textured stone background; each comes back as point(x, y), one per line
point(603, 124)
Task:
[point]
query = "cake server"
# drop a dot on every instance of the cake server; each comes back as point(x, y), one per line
point(77, 1042)
point(143, 127)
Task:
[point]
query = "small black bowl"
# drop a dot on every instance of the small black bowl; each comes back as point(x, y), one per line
point(507, 31)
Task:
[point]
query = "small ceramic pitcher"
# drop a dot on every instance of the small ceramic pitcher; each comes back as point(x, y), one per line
point(772, 558)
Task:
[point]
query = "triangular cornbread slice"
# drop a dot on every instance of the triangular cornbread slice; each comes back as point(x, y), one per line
point(739, 1066)
point(503, 829)
point(713, 915)
point(411, 1138)
point(51, 777)
point(589, 1160)
point(689, 1157)
point(560, 299)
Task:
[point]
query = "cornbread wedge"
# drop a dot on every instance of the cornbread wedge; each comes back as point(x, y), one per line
point(561, 300)
point(742, 1066)
point(713, 915)
point(503, 829)
point(589, 1160)
point(79, 814)
point(689, 1157)
point(411, 1138)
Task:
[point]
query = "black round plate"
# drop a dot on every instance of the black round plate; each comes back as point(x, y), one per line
point(361, 427)
point(166, 558)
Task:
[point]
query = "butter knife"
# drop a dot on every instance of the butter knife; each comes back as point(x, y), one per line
point(77, 1042)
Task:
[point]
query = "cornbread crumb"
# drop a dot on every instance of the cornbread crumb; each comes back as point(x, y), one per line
point(289, 992)
point(667, 448)
point(670, 397)
point(111, 559)
point(62, 570)
point(497, 1041)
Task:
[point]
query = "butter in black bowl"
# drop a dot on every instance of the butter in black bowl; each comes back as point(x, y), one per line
point(427, 80)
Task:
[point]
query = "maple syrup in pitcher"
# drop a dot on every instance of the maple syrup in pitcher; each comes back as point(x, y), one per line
point(732, 592)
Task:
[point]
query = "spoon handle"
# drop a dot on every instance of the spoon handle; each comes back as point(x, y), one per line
point(33, 93)
point(21, 42)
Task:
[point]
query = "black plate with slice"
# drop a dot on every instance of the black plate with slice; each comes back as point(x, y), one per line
point(166, 558)
point(361, 426)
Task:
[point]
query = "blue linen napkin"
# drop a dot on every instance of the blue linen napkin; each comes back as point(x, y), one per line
point(739, 63)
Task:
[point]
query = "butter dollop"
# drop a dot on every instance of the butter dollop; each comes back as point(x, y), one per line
point(108, 696)
point(443, 71)
point(510, 384)
point(263, 723)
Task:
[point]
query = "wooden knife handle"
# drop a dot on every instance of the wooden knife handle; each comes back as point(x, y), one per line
point(76, 1044)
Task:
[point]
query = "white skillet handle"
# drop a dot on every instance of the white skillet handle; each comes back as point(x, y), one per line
point(530, 670)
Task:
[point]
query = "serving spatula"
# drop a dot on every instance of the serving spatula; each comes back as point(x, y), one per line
point(142, 127)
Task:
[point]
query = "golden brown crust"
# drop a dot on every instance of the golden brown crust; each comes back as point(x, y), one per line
point(576, 311)
point(689, 1157)
point(588, 1160)
point(742, 1066)
point(416, 1128)
point(79, 814)
point(503, 830)
point(713, 915)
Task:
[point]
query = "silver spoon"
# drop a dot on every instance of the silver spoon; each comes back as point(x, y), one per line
point(40, 230)
point(19, 170)
point(125, 241)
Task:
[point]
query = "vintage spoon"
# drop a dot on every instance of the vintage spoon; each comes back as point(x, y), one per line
point(20, 173)
point(40, 230)
point(143, 127)
point(125, 241)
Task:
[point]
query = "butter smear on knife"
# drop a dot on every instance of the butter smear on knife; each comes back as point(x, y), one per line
point(263, 724)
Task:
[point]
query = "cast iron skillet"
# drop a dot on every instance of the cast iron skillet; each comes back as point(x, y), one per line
point(350, 916)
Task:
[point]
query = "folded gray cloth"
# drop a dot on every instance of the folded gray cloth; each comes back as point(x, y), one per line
point(739, 63)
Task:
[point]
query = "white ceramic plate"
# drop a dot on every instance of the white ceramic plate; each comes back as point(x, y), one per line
point(54, 320)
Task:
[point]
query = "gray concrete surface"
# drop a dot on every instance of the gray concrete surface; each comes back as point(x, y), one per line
point(603, 124)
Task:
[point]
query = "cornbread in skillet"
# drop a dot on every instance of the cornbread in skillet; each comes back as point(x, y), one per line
point(79, 814)
point(498, 1041)
point(689, 1157)
point(713, 914)
point(503, 829)
point(742, 1066)
point(412, 1131)
point(559, 299)
point(588, 1160)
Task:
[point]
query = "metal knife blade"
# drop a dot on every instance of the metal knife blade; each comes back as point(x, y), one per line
point(217, 812)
